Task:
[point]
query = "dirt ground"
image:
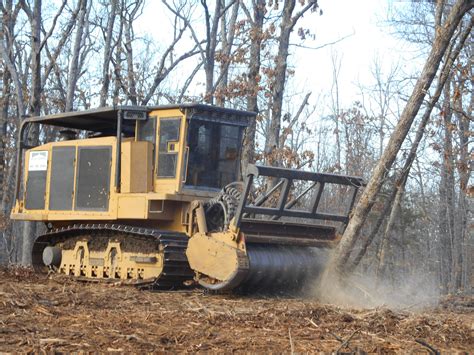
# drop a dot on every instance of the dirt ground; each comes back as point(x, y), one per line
point(57, 314)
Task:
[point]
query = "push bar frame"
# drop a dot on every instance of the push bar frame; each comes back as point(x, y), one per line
point(283, 208)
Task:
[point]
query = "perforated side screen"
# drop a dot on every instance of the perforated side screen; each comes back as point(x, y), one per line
point(93, 178)
point(35, 190)
point(62, 178)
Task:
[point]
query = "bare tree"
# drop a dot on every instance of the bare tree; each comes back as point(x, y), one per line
point(392, 202)
point(129, 14)
point(253, 77)
point(336, 111)
point(9, 77)
point(395, 201)
point(432, 242)
point(34, 16)
point(25, 71)
point(108, 51)
point(163, 70)
point(464, 171)
point(208, 54)
point(75, 65)
point(34, 102)
point(52, 65)
point(442, 39)
point(224, 55)
point(279, 75)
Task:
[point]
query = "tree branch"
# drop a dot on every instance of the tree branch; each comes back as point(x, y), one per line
point(325, 44)
point(50, 32)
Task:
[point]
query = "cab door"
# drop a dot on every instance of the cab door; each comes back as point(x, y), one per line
point(169, 157)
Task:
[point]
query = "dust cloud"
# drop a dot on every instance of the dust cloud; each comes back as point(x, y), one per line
point(359, 290)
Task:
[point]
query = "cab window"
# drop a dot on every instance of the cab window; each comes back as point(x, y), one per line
point(214, 154)
point(146, 130)
point(168, 147)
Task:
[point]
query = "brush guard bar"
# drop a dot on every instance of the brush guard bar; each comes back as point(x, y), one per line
point(283, 207)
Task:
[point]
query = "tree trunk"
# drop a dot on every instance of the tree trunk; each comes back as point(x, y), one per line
point(448, 195)
point(468, 247)
point(388, 229)
point(74, 68)
point(35, 98)
point(278, 80)
point(278, 83)
point(104, 91)
point(227, 35)
point(128, 16)
point(373, 233)
point(132, 86)
point(10, 77)
point(336, 67)
point(211, 44)
point(4, 108)
point(401, 180)
point(441, 42)
point(461, 216)
point(117, 72)
point(253, 82)
point(34, 109)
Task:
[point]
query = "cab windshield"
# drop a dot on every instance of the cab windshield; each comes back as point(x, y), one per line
point(214, 154)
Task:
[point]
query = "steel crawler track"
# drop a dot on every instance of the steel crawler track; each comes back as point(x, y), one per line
point(176, 268)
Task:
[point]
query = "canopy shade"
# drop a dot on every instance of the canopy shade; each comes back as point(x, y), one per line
point(95, 120)
point(104, 119)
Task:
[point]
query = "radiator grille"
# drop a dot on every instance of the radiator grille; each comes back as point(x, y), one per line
point(35, 190)
point(36, 181)
point(62, 178)
point(93, 178)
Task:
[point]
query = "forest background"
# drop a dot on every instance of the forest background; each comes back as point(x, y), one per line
point(318, 110)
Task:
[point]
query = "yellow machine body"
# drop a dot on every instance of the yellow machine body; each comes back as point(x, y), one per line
point(142, 195)
point(148, 195)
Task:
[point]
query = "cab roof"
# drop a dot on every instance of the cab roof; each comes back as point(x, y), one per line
point(105, 118)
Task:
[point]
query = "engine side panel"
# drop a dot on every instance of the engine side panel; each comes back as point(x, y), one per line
point(35, 190)
point(69, 180)
point(73, 181)
point(93, 178)
point(62, 178)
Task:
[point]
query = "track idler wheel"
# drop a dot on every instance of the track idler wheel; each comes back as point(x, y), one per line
point(52, 256)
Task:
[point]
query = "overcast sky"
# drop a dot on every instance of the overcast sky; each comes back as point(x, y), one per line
point(365, 35)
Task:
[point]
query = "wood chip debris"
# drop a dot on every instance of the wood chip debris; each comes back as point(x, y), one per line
point(50, 313)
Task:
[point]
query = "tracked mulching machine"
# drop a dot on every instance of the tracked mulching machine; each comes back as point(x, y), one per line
point(148, 195)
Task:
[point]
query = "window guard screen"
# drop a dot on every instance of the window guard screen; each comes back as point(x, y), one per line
point(167, 157)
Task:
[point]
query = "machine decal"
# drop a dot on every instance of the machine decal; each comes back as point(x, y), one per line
point(38, 161)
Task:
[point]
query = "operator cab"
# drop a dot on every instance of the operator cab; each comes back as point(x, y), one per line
point(100, 156)
point(203, 146)
point(214, 154)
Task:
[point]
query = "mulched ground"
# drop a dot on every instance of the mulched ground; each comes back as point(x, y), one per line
point(41, 313)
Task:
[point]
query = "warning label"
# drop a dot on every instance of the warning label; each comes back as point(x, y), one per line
point(38, 161)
